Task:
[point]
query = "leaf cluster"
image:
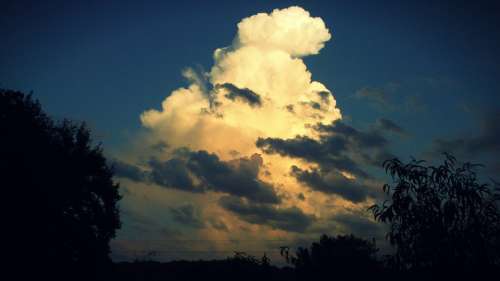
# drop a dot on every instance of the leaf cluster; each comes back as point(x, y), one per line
point(440, 215)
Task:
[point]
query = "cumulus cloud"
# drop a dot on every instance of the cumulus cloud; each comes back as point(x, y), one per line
point(258, 87)
point(254, 148)
point(292, 30)
point(262, 68)
point(255, 140)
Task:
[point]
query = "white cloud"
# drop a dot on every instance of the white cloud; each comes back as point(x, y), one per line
point(265, 59)
point(291, 30)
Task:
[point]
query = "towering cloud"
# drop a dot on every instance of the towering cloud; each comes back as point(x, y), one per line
point(255, 142)
point(258, 87)
point(292, 30)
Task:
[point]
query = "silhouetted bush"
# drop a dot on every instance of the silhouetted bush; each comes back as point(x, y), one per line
point(59, 191)
point(340, 258)
point(442, 219)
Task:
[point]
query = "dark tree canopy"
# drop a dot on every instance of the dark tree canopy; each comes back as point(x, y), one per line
point(342, 257)
point(59, 190)
point(440, 217)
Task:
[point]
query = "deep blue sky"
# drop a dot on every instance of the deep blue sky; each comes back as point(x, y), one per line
point(436, 63)
point(432, 67)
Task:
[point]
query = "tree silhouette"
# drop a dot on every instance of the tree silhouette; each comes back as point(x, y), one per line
point(344, 257)
point(59, 191)
point(441, 218)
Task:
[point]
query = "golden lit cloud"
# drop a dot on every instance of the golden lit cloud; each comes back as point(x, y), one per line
point(258, 87)
point(264, 59)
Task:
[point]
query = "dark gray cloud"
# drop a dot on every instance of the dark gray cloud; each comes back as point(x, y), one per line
point(237, 177)
point(389, 97)
point(389, 126)
point(289, 219)
point(324, 95)
point(200, 171)
point(173, 173)
point(328, 152)
point(482, 147)
point(333, 182)
point(379, 97)
point(301, 197)
point(187, 215)
point(312, 104)
point(488, 140)
point(125, 170)
point(244, 94)
point(353, 136)
point(298, 147)
point(340, 148)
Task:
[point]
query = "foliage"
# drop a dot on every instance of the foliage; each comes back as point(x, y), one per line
point(347, 257)
point(59, 189)
point(440, 217)
point(244, 259)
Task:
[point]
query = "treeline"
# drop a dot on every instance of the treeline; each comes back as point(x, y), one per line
point(62, 202)
point(331, 258)
point(239, 267)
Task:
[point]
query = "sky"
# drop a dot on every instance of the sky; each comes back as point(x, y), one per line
point(249, 125)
